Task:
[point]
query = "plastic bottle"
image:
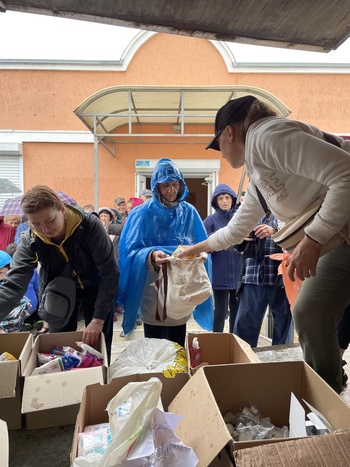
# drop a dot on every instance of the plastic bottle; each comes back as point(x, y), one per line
point(195, 353)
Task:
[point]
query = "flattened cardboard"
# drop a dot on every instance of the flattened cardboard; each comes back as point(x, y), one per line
point(329, 450)
point(53, 399)
point(4, 444)
point(219, 348)
point(96, 397)
point(214, 390)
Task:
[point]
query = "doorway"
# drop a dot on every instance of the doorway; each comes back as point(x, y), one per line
point(200, 180)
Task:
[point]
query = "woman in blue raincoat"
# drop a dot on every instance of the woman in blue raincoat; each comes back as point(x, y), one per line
point(152, 232)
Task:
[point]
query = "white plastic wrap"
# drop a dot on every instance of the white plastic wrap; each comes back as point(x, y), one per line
point(150, 356)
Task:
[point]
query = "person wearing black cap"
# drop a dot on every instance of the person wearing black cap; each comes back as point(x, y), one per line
point(293, 164)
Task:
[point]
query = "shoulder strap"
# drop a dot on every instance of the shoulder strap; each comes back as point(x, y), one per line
point(331, 139)
point(263, 202)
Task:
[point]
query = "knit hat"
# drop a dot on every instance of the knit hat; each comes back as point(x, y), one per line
point(5, 259)
point(108, 211)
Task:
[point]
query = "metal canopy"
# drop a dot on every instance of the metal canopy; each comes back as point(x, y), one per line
point(320, 25)
point(124, 113)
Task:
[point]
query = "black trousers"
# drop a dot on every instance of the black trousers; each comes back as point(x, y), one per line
point(222, 298)
point(85, 302)
point(171, 333)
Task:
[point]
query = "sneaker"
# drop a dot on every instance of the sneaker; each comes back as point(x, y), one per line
point(344, 376)
point(122, 334)
point(138, 322)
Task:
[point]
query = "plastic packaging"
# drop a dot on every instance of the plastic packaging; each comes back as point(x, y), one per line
point(150, 356)
point(248, 424)
point(6, 356)
point(195, 353)
point(94, 439)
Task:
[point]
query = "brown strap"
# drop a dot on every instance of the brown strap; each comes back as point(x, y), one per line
point(165, 279)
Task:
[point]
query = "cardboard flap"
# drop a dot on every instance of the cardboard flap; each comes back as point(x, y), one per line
point(26, 350)
point(242, 351)
point(42, 392)
point(4, 444)
point(329, 450)
point(10, 370)
point(8, 380)
point(201, 426)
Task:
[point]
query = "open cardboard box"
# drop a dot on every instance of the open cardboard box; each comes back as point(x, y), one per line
point(218, 348)
point(214, 390)
point(53, 399)
point(19, 345)
point(96, 397)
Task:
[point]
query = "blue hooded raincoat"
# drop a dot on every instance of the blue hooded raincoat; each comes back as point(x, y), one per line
point(153, 226)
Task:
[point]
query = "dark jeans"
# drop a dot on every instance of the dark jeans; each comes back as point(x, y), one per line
point(343, 329)
point(85, 302)
point(171, 333)
point(253, 302)
point(222, 298)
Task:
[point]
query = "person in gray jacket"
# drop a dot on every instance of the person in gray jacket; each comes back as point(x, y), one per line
point(61, 234)
point(293, 164)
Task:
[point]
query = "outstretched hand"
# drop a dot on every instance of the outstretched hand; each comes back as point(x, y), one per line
point(194, 250)
point(304, 259)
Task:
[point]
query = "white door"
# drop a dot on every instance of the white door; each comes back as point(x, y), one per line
point(140, 183)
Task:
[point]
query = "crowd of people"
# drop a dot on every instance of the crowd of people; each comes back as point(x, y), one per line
point(114, 254)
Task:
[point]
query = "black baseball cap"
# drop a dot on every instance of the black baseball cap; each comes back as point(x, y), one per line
point(233, 111)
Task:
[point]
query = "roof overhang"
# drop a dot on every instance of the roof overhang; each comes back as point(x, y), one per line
point(321, 25)
point(119, 112)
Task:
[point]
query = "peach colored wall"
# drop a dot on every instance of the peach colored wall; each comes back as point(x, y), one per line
point(45, 100)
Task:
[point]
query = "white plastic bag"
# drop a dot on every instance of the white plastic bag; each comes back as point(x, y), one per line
point(130, 415)
point(150, 356)
point(182, 284)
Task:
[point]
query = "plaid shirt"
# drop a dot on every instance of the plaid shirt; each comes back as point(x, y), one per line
point(260, 269)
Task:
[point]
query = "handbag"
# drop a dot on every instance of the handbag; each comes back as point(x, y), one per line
point(182, 284)
point(58, 299)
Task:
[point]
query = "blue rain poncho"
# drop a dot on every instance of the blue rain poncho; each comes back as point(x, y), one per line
point(154, 226)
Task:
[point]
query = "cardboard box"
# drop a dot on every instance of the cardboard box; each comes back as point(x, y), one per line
point(4, 444)
point(19, 345)
point(53, 399)
point(330, 450)
point(96, 397)
point(219, 348)
point(214, 390)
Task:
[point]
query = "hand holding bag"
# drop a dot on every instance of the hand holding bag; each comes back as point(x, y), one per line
point(182, 284)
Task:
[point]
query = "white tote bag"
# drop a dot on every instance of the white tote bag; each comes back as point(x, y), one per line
point(182, 284)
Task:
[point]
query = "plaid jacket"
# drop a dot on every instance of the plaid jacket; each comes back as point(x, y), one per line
point(259, 269)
